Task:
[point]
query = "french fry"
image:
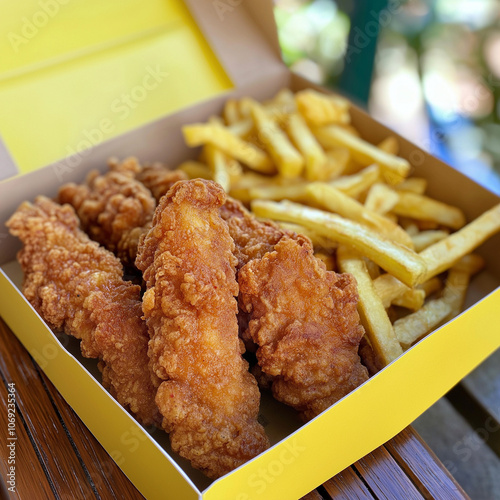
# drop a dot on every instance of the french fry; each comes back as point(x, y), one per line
point(415, 325)
point(389, 288)
point(396, 259)
point(322, 109)
point(232, 145)
point(458, 280)
point(425, 239)
point(415, 185)
point(373, 269)
point(431, 286)
point(394, 169)
point(218, 164)
point(336, 163)
point(374, 318)
point(422, 207)
point(390, 145)
point(332, 199)
point(355, 185)
point(195, 170)
point(242, 128)
point(306, 143)
point(287, 159)
point(231, 113)
point(292, 192)
point(380, 198)
point(413, 299)
point(317, 239)
point(447, 252)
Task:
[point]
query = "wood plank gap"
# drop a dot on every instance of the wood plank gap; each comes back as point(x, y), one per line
point(362, 479)
point(484, 424)
point(66, 431)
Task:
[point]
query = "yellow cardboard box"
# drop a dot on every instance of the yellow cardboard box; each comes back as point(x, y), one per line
point(243, 39)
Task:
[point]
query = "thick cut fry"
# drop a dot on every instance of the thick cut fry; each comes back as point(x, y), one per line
point(322, 109)
point(355, 185)
point(306, 143)
point(336, 163)
point(424, 208)
point(415, 325)
point(242, 129)
point(413, 299)
point(332, 199)
point(288, 160)
point(390, 145)
point(328, 260)
point(431, 286)
point(425, 239)
point(445, 253)
point(218, 163)
point(396, 259)
point(211, 133)
point(415, 185)
point(231, 112)
point(292, 192)
point(317, 239)
point(381, 198)
point(394, 169)
point(371, 310)
point(195, 170)
point(389, 288)
point(458, 280)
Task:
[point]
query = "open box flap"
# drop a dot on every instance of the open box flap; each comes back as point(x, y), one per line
point(75, 74)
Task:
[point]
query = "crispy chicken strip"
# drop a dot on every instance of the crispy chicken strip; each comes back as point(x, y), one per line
point(209, 400)
point(159, 179)
point(77, 286)
point(114, 208)
point(305, 322)
point(252, 238)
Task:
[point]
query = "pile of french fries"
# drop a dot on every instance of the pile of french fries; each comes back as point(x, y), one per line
point(298, 160)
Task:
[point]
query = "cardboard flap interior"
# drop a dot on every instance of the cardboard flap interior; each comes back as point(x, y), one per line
point(84, 72)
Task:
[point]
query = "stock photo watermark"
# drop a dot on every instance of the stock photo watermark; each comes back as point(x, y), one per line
point(120, 109)
point(31, 26)
point(222, 7)
point(11, 437)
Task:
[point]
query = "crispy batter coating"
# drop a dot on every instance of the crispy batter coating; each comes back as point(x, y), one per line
point(159, 179)
point(305, 322)
point(252, 238)
point(208, 399)
point(77, 286)
point(114, 208)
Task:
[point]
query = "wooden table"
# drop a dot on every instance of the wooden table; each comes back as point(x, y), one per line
point(57, 456)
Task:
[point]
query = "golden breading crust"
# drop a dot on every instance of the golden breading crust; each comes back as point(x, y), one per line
point(77, 286)
point(209, 400)
point(305, 323)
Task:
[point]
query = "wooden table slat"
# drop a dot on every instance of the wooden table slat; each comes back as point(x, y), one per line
point(64, 469)
point(347, 484)
point(422, 466)
point(107, 478)
point(383, 476)
point(27, 465)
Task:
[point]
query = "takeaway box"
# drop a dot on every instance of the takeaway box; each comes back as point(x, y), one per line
point(243, 38)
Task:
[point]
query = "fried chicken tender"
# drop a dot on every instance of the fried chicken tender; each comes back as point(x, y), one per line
point(77, 286)
point(159, 179)
point(114, 208)
point(252, 238)
point(209, 400)
point(305, 322)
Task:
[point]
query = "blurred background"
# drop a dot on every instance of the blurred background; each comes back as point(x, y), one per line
point(430, 69)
